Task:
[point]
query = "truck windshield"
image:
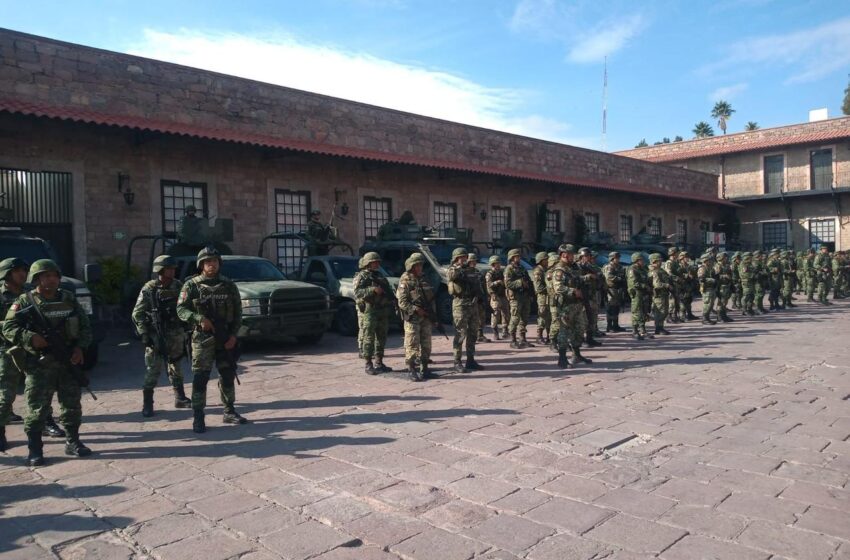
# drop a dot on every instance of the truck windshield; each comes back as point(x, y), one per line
point(30, 250)
point(251, 270)
point(346, 267)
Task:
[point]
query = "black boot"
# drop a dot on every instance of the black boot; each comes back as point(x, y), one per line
point(73, 445)
point(662, 330)
point(577, 357)
point(616, 321)
point(370, 369)
point(591, 342)
point(412, 373)
point(147, 403)
point(52, 429)
point(563, 361)
point(540, 338)
point(15, 418)
point(636, 334)
point(232, 417)
point(180, 400)
point(524, 343)
point(3, 443)
point(481, 337)
point(380, 367)
point(36, 455)
point(514, 343)
point(471, 364)
point(609, 325)
point(425, 371)
point(459, 367)
point(198, 424)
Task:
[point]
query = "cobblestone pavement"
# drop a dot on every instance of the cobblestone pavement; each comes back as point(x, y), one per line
point(715, 442)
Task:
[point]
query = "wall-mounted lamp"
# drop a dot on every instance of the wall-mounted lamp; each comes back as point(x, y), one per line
point(344, 209)
point(125, 189)
point(481, 209)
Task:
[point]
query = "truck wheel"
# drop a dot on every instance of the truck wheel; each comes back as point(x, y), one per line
point(346, 319)
point(444, 307)
point(90, 356)
point(310, 339)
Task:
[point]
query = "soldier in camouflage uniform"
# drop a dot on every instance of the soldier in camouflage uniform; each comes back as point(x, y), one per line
point(44, 373)
point(566, 287)
point(689, 284)
point(210, 304)
point(161, 294)
point(520, 291)
point(800, 259)
point(810, 274)
point(555, 325)
point(615, 283)
point(544, 315)
point(823, 274)
point(708, 287)
point(466, 295)
point(747, 273)
point(736, 280)
point(838, 266)
point(661, 286)
point(475, 275)
point(590, 274)
point(762, 280)
point(775, 276)
point(416, 304)
point(374, 296)
point(725, 286)
point(674, 270)
point(789, 277)
point(13, 273)
point(639, 289)
point(494, 280)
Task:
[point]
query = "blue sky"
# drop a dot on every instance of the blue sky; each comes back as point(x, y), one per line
point(532, 67)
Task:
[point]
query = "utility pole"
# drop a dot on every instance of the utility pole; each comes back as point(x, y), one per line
point(605, 107)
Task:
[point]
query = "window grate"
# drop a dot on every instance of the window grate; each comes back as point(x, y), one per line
point(376, 212)
point(445, 216)
point(821, 232)
point(591, 222)
point(653, 227)
point(682, 232)
point(774, 174)
point(553, 221)
point(500, 220)
point(626, 228)
point(821, 164)
point(176, 196)
point(774, 234)
point(292, 212)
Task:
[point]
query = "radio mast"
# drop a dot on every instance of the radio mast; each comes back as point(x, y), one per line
point(605, 107)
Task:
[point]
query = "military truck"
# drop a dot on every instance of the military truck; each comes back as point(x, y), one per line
point(14, 242)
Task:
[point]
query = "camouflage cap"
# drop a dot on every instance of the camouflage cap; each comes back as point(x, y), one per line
point(412, 260)
point(42, 265)
point(554, 257)
point(757, 253)
point(514, 253)
point(566, 248)
point(208, 252)
point(541, 256)
point(614, 255)
point(10, 264)
point(472, 257)
point(494, 259)
point(684, 254)
point(459, 252)
point(654, 258)
point(672, 250)
point(746, 255)
point(723, 256)
point(736, 255)
point(637, 257)
point(163, 261)
point(368, 258)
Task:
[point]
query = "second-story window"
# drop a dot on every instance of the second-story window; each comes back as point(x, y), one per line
point(821, 162)
point(774, 174)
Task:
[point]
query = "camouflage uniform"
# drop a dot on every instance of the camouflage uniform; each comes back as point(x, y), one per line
point(800, 259)
point(566, 287)
point(555, 325)
point(590, 274)
point(544, 315)
point(615, 283)
point(374, 297)
point(674, 270)
point(762, 281)
point(416, 304)
point(736, 280)
point(823, 274)
point(775, 276)
point(10, 377)
point(661, 287)
point(44, 374)
point(476, 276)
point(215, 298)
point(747, 273)
point(789, 277)
point(810, 275)
point(708, 287)
point(838, 265)
point(494, 281)
point(725, 285)
point(638, 283)
point(520, 291)
point(689, 284)
point(464, 312)
point(154, 292)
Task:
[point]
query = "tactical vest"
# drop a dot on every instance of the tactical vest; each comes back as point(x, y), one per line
point(60, 314)
point(494, 275)
point(166, 299)
point(216, 298)
point(370, 279)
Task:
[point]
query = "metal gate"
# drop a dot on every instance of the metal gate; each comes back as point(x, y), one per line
point(41, 204)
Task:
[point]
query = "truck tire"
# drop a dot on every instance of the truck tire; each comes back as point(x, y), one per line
point(444, 306)
point(346, 319)
point(90, 356)
point(310, 339)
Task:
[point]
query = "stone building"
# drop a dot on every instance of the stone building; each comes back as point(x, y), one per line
point(97, 147)
point(792, 182)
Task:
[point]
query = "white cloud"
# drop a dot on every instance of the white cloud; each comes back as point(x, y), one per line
point(727, 92)
point(287, 61)
point(605, 39)
point(808, 54)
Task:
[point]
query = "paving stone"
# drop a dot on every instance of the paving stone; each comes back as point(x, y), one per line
point(226, 505)
point(486, 445)
point(751, 482)
point(634, 502)
point(808, 473)
point(50, 531)
point(323, 470)
point(105, 546)
point(826, 521)
point(233, 467)
point(818, 494)
point(362, 482)
point(692, 493)
point(786, 541)
point(432, 474)
point(570, 515)
point(742, 462)
point(297, 495)
point(436, 543)
point(137, 511)
point(412, 498)
point(601, 440)
point(337, 510)
point(168, 529)
point(480, 490)
point(699, 548)
point(521, 501)
point(196, 489)
point(562, 547)
point(306, 540)
point(757, 506)
point(575, 487)
point(259, 522)
point(213, 545)
point(171, 474)
point(354, 553)
point(441, 454)
point(457, 515)
point(704, 521)
point(635, 534)
point(383, 529)
point(510, 533)
point(263, 480)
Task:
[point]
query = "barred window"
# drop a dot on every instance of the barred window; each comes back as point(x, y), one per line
point(553, 221)
point(682, 232)
point(292, 212)
point(500, 220)
point(376, 212)
point(821, 164)
point(591, 222)
point(176, 196)
point(626, 228)
point(653, 226)
point(774, 234)
point(821, 232)
point(774, 173)
point(445, 216)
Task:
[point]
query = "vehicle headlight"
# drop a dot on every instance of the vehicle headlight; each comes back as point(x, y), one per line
point(251, 307)
point(86, 304)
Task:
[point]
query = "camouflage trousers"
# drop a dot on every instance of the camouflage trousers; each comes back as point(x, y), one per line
point(674, 302)
point(758, 295)
point(660, 310)
point(748, 298)
point(723, 296)
point(544, 315)
point(44, 378)
point(465, 320)
point(686, 299)
point(500, 315)
point(206, 353)
point(154, 363)
point(375, 326)
point(555, 327)
point(573, 324)
point(592, 312)
point(10, 378)
point(709, 297)
point(639, 313)
point(736, 296)
point(824, 287)
point(359, 330)
point(811, 286)
point(520, 312)
point(787, 290)
point(417, 341)
point(482, 315)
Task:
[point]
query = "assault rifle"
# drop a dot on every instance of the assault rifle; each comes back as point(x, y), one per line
point(159, 321)
point(433, 316)
point(220, 332)
point(56, 346)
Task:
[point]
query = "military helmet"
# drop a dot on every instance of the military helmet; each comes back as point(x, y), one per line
point(315, 213)
point(163, 261)
point(10, 264)
point(654, 258)
point(736, 255)
point(746, 255)
point(42, 265)
point(208, 252)
point(514, 253)
point(472, 257)
point(494, 259)
point(723, 256)
point(614, 255)
point(541, 256)
point(684, 254)
point(368, 258)
point(190, 208)
point(566, 248)
point(672, 250)
point(584, 251)
point(459, 252)
point(413, 259)
point(757, 253)
point(637, 256)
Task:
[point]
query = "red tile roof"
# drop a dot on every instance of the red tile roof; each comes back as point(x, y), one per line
point(82, 115)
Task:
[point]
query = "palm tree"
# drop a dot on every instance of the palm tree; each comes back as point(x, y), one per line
point(752, 125)
point(703, 130)
point(722, 112)
point(642, 144)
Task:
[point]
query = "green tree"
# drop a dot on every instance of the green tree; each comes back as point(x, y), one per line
point(752, 125)
point(845, 107)
point(703, 130)
point(722, 112)
point(678, 138)
point(642, 144)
